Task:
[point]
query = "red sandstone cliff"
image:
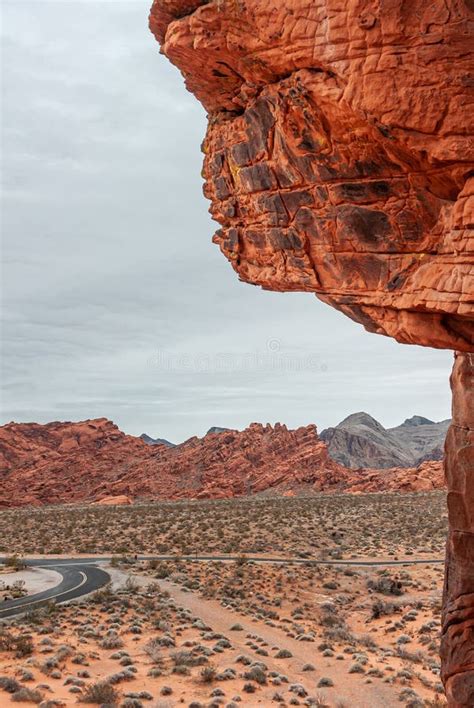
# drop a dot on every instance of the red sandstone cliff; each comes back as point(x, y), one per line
point(71, 462)
point(339, 151)
point(339, 159)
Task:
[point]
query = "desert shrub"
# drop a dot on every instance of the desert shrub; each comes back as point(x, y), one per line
point(381, 608)
point(111, 641)
point(99, 693)
point(10, 685)
point(386, 585)
point(283, 654)
point(6, 640)
point(104, 596)
point(153, 650)
point(249, 688)
point(415, 657)
point(131, 585)
point(27, 695)
point(257, 674)
point(356, 668)
point(330, 619)
point(436, 702)
point(23, 646)
point(162, 571)
point(339, 634)
point(15, 562)
point(208, 674)
point(187, 658)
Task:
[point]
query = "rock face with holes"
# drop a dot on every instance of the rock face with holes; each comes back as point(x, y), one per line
point(339, 160)
point(339, 152)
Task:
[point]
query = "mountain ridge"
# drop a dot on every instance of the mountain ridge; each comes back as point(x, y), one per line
point(91, 460)
point(361, 441)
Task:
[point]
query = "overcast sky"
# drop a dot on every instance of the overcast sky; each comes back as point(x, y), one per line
point(115, 301)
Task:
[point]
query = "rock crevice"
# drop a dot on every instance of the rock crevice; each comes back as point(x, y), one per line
point(457, 645)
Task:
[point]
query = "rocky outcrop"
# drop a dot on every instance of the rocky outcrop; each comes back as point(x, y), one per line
point(424, 478)
point(457, 644)
point(339, 160)
point(155, 441)
point(339, 154)
point(94, 461)
point(60, 462)
point(361, 441)
point(120, 500)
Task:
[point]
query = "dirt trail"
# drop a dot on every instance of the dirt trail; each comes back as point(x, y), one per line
point(349, 689)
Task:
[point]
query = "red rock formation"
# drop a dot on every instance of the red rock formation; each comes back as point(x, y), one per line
point(119, 500)
point(59, 462)
point(457, 646)
point(94, 461)
point(339, 160)
point(339, 154)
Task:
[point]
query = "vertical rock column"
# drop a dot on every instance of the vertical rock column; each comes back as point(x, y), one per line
point(457, 643)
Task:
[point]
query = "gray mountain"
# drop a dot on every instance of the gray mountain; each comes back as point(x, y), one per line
point(156, 441)
point(361, 441)
point(216, 429)
point(423, 437)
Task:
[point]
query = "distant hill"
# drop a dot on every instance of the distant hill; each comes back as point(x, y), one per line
point(216, 429)
point(361, 441)
point(156, 441)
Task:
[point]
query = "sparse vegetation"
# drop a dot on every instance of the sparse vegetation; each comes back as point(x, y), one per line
point(281, 632)
point(323, 526)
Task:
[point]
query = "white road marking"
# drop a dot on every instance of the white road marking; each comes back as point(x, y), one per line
point(50, 597)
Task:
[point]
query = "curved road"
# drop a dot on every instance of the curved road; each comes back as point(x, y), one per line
point(77, 580)
point(81, 576)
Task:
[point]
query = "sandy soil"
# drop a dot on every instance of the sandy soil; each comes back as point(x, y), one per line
point(205, 634)
point(356, 691)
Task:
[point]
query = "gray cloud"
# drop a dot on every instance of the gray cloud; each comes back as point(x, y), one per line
point(115, 301)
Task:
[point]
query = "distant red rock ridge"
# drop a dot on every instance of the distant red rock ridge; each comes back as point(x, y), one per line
point(92, 460)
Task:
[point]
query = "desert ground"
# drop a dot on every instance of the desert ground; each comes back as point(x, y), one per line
point(193, 633)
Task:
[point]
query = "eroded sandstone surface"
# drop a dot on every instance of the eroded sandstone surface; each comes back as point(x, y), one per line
point(457, 646)
point(339, 152)
point(339, 160)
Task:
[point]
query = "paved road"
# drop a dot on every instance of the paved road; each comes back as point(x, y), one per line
point(77, 580)
point(81, 576)
point(226, 558)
